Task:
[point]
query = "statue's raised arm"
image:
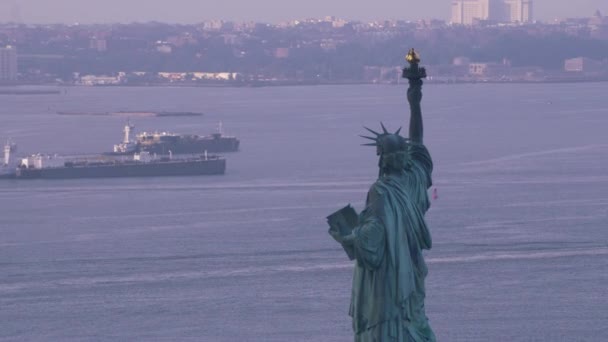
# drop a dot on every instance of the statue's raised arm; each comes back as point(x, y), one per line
point(421, 164)
point(415, 74)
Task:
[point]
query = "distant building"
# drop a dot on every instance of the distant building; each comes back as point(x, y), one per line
point(100, 45)
point(8, 64)
point(328, 44)
point(461, 61)
point(478, 69)
point(517, 11)
point(194, 76)
point(281, 52)
point(469, 12)
point(213, 25)
point(599, 26)
point(376, 74)
point(338, 23)
point(232, 39)
point(164, 47)
point(489, 69)
point(598, 20)
point(466, 12)
point(583, 64)
point(94, 80)
point(245, 26)
point(335, 22)
point(182, 40)
point(427, 24)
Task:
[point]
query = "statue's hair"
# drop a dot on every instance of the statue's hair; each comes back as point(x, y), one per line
point(393, 162)
point(392, 149)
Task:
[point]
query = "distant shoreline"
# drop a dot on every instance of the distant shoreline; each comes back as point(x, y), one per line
point(140, 113)
point(29, 92)
point(64, 87)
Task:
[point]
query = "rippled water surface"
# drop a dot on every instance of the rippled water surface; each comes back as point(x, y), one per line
point(520, 227)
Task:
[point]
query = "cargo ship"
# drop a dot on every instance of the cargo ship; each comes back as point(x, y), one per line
point(165, 143)
point(142, 164)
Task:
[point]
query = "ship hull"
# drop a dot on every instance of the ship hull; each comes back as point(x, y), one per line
point(152, 169)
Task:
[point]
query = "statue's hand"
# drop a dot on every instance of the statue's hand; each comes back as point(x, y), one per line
point(346, 240)
point(336, 235)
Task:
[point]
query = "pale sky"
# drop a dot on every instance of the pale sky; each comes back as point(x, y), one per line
point(271, 11)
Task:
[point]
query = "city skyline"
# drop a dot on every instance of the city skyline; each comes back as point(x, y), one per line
point(271, 11)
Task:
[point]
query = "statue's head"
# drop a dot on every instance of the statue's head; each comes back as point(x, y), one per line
point(392, 149)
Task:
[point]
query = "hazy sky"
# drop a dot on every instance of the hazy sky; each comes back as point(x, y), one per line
point(191, 11)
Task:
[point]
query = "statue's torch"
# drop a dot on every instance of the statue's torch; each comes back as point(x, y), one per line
point(414, 72)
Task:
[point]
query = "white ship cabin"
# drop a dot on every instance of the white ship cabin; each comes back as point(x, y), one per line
point(157, 137)
point(7, 155)
point(124, 148)
point(127, 145)
point(39, 161)
point(144, 157)
point(9, 148)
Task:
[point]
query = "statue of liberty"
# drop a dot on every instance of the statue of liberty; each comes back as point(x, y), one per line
point(387, 238)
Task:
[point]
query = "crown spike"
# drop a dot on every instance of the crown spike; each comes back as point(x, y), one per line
point(370, 138)
point(398, 131)
point(374, 132)
point(370, 144)
point(383, 128)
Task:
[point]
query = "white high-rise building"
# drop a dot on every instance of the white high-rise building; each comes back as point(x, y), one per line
point(8, 63)
point(467, 12)
point(518, 11)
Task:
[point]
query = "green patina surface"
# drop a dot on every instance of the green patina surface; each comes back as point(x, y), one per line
point(388, 291)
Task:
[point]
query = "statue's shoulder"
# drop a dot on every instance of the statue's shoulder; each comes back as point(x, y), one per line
point(421, 156)
point(377, 190)
point(417, 147)
point(384, 185)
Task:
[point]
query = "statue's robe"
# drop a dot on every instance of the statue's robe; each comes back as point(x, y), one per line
point(387, 302)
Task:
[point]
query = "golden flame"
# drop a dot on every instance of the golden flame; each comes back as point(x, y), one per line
point(412, 56)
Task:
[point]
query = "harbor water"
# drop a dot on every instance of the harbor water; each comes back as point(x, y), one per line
point(520, 222)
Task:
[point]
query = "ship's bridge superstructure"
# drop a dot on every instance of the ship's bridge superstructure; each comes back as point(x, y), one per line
point(39, 161)
point(127, 146)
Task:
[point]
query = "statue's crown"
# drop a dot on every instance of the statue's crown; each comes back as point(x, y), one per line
point(387, 142)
